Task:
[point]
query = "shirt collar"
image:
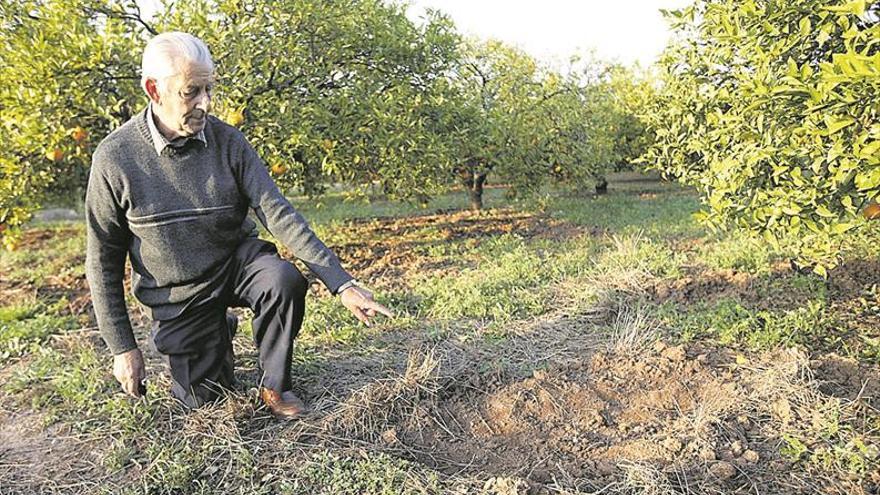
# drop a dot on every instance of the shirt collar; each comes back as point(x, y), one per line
point(160, 142)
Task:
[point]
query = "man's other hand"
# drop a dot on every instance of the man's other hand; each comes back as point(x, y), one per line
point(128, 368)
point(361, 304)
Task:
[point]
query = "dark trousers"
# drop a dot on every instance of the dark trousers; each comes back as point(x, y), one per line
point(198, 342)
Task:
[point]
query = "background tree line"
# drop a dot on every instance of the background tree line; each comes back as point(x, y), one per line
point(348, 92)
point(768, 107)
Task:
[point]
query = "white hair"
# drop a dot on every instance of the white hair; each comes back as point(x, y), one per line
point(167, 53)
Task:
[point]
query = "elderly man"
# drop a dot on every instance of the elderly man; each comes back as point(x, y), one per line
point(171, 188)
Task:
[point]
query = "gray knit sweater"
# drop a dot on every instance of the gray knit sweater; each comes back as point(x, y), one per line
point(180, 216)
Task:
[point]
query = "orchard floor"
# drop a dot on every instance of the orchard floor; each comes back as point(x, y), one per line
point(568, 344)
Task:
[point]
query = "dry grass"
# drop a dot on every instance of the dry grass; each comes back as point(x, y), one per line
point(640, 478)
point(408, 396)
point(633, 330)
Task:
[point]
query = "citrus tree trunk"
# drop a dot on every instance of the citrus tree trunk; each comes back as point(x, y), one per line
point(475, 189)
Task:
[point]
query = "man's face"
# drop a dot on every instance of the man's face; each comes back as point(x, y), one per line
point(185, 99)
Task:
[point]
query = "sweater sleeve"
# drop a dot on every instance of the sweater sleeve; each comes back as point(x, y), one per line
point(107, 240)
point(282, 221)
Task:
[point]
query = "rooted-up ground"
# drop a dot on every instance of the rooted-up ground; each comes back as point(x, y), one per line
point(590, 345)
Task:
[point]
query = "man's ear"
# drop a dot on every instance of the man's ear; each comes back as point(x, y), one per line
point(152, 89)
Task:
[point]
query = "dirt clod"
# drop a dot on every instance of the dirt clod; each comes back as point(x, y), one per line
point(722, 470)
point(674, 354)
point(736, 448)
point(706, 454)
point(751, 456)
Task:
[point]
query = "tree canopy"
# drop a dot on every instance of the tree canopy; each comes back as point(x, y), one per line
point(68, 76)
point(770, 109)
point(350, 93)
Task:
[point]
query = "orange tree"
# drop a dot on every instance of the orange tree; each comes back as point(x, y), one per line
point(770, 108)
point(68, 75)
point(350, 92)
point(630, 90)
point(526, 125)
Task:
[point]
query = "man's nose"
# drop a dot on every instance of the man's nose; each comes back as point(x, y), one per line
point(204, 102)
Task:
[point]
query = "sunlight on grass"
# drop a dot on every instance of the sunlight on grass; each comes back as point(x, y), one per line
point(736, 251)
point(472, 283)
point(327, 473)
point(657, 215)
point(25, 327)
point(505, 285)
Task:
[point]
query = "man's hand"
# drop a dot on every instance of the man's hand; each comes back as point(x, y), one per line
point(361, 304)
point(128, 368)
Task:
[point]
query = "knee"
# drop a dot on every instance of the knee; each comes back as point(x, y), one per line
point(290, 283)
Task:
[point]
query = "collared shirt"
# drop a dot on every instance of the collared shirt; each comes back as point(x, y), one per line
point(160, 142)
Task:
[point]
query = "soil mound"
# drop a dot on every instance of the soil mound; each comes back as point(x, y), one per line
point(692, 419)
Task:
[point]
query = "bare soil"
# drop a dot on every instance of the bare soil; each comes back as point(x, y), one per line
point(688, 417)
point(384, 251)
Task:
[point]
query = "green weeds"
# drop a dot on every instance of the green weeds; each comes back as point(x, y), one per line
point(328, 473)
point(26, 327)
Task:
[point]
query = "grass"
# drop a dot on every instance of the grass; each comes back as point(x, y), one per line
point(327, 473)
point(493, 286)
point(26, 327)
point(731, 323)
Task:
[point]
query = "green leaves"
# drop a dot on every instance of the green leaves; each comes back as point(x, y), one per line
point(835, 125)
point(856, 7)
point(349, 93)
point(358, 75)
point(788, 151)
point(68, 76)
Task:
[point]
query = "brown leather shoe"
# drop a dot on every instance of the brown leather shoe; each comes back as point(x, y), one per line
point(284, 405)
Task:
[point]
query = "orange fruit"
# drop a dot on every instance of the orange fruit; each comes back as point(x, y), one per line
point(279, 169)
point(55, 154)
point(872, 211)
point(79, 134)
point(235, 118)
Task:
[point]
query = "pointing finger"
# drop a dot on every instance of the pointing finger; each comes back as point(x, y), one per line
point(381, 309)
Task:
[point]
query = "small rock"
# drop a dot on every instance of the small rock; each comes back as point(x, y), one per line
point(706, 454)
point(751, 456)
point(736, 448)
point(674, 353)
point(722, 470)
